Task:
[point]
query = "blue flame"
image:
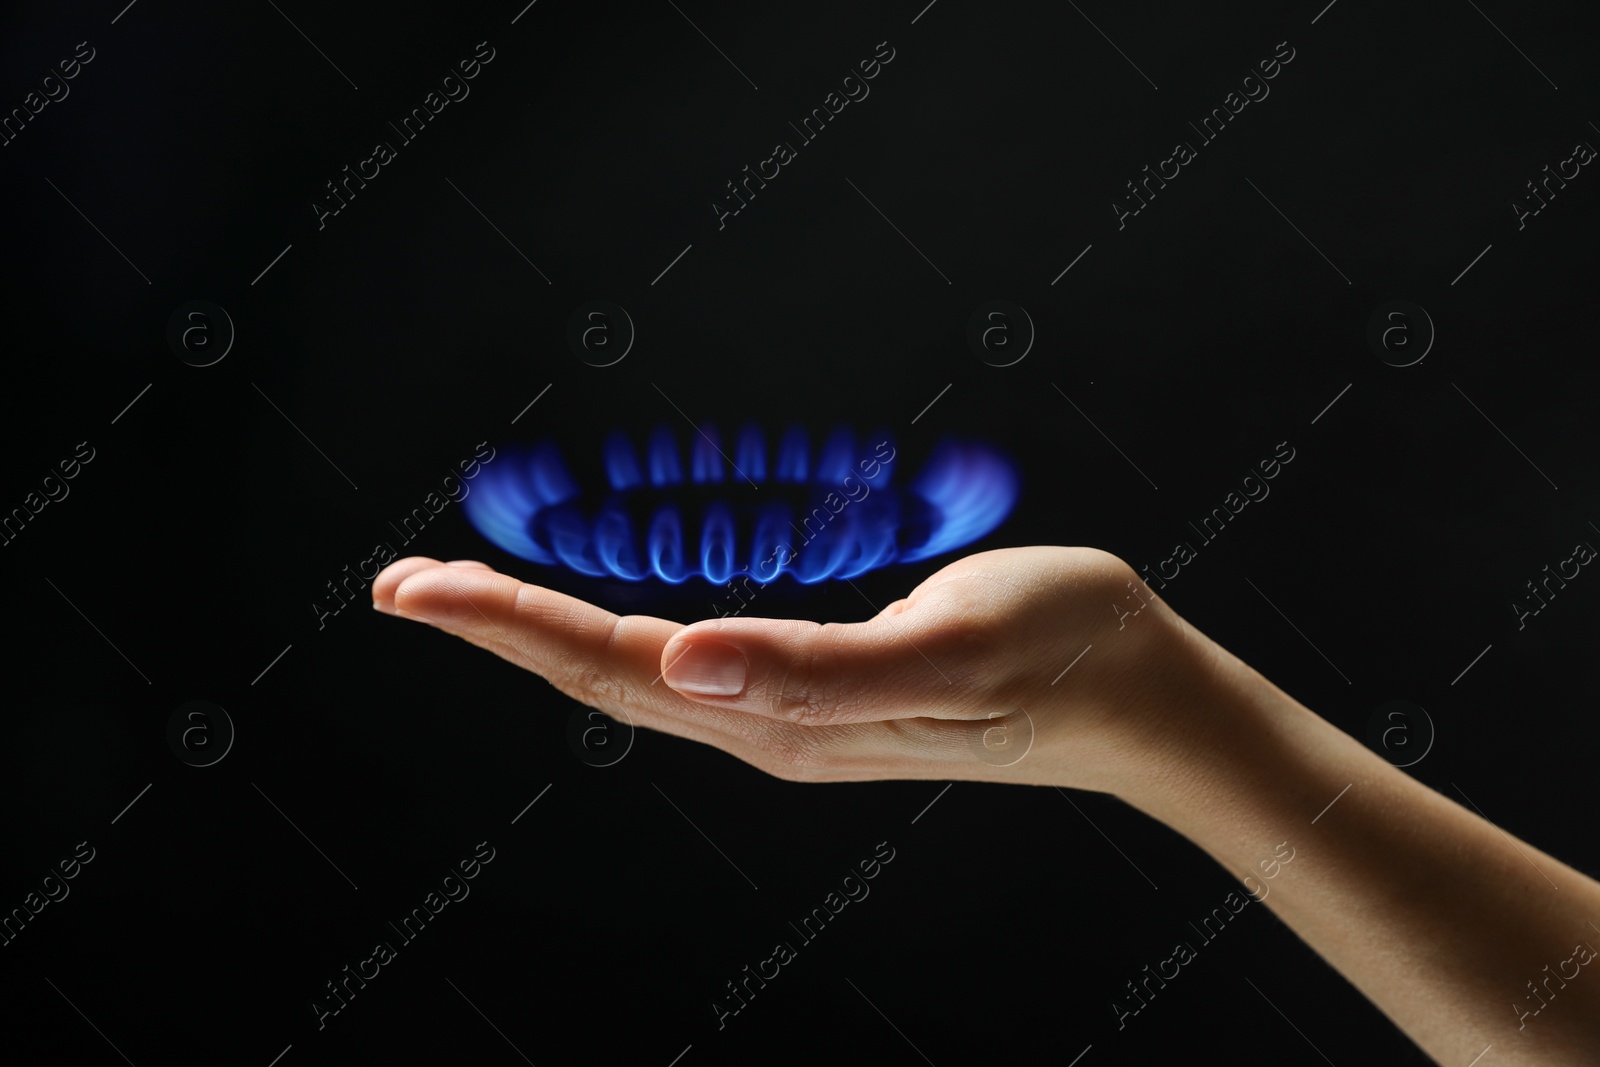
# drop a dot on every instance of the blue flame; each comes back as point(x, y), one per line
point(673, 513)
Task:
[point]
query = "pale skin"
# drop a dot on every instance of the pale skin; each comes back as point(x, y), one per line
point(1439, 917)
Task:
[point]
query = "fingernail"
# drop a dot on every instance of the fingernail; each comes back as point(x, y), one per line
point(376, 606)
point(708, 668)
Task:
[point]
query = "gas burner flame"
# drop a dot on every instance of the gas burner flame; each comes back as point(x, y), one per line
point(715, 511)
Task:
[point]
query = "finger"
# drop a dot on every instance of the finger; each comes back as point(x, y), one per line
point(389, 579)
point(611, 662)
point(554, 635)
point(918, 661)
point(604, 660)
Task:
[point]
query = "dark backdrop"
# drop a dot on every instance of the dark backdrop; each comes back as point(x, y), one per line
point(372, 352)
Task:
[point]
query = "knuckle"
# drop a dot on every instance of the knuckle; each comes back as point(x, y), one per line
point(595, 686)
point(804, 690)
point(796, 758)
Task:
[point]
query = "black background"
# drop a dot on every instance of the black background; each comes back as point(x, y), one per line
point(407, 330)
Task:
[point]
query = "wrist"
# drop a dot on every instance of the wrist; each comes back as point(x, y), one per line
point(1226, 757)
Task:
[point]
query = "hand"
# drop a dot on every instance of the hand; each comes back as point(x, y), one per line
point(1153, 712)
point(964, 678)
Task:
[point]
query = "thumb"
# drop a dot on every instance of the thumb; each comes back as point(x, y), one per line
point(889, 667)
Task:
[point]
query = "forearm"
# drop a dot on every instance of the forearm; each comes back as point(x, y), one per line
point(1438, 917)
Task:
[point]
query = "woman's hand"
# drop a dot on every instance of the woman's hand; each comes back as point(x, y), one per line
point(1036, 665)
point(1057, 666)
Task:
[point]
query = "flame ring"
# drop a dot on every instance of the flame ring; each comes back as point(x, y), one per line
point(835, 512)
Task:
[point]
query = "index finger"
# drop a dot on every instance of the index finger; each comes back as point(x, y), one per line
point(554, 635)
